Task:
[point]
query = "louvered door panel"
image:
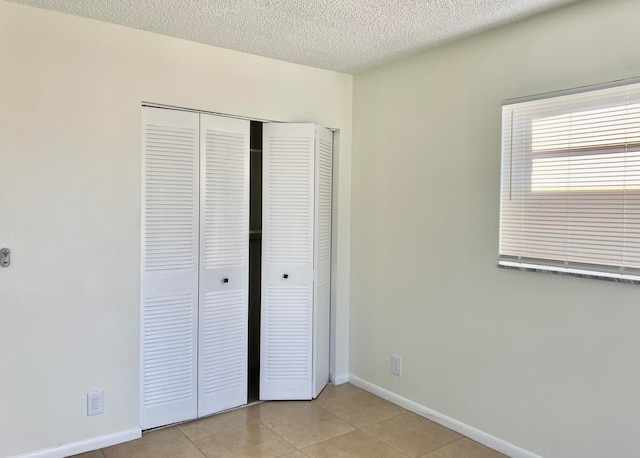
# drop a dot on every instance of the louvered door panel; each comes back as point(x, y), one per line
point(287, 261)
point(286, 357)
point(224, 263)
point(169, 277)
point(222, 346)
point(169, 349)
point(322, 258)
point(289, 190)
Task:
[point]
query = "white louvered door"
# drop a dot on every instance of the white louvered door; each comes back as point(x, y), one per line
point(322, 258)
point(224, 263)
point(195, 259)
point(289, 224)
point(169, 264)
point(195, 248)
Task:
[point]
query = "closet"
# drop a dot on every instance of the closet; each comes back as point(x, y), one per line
point(216, 189)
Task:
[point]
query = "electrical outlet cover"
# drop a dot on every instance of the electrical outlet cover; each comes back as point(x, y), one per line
point(396, 365)
point(95, 402)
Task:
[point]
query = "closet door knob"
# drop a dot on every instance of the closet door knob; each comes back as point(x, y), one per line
point(225, 280)
point(285, 276)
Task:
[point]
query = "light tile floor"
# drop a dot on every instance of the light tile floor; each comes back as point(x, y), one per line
point(344, 421)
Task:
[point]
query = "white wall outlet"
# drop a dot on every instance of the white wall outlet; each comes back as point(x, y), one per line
point(396, 365)
point(95, 402)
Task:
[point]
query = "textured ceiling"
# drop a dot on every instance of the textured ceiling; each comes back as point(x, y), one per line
point(349, 36)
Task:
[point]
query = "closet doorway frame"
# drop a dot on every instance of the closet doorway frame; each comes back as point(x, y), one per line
point(335, 173)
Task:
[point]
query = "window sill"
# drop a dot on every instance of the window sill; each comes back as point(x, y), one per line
point(628, 279)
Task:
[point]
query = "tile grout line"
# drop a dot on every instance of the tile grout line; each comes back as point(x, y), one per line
point(426, 455)
point(280, 414)
point(404, 412)
point(190, 441)
point(262, 422)
point(322, 442)
point(381, 441)
point(279, 436)
point(316, 443)
point(361, 429)
point(356, 428)
point(197, 448)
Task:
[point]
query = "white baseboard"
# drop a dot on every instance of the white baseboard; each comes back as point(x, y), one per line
point(86, 445)
point(462, 428)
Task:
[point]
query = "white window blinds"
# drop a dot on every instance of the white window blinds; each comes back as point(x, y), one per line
point(570, 196)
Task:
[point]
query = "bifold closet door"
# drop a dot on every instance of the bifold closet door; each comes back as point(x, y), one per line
point(195, 248)
point(322, 258)
point(224, 263)
point(169, 267)
point(289, 319)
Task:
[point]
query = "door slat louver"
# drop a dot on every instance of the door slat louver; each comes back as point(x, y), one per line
point(169, 357)
point(286, 357)
point(169, 196)
point(225, 222)
point(289, 217)
point(223, 342)
point(324, 201)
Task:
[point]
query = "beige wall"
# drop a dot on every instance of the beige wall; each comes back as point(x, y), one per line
point(546, 362)
point(70, 103)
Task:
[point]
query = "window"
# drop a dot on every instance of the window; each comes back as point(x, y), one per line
point(570, 195)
